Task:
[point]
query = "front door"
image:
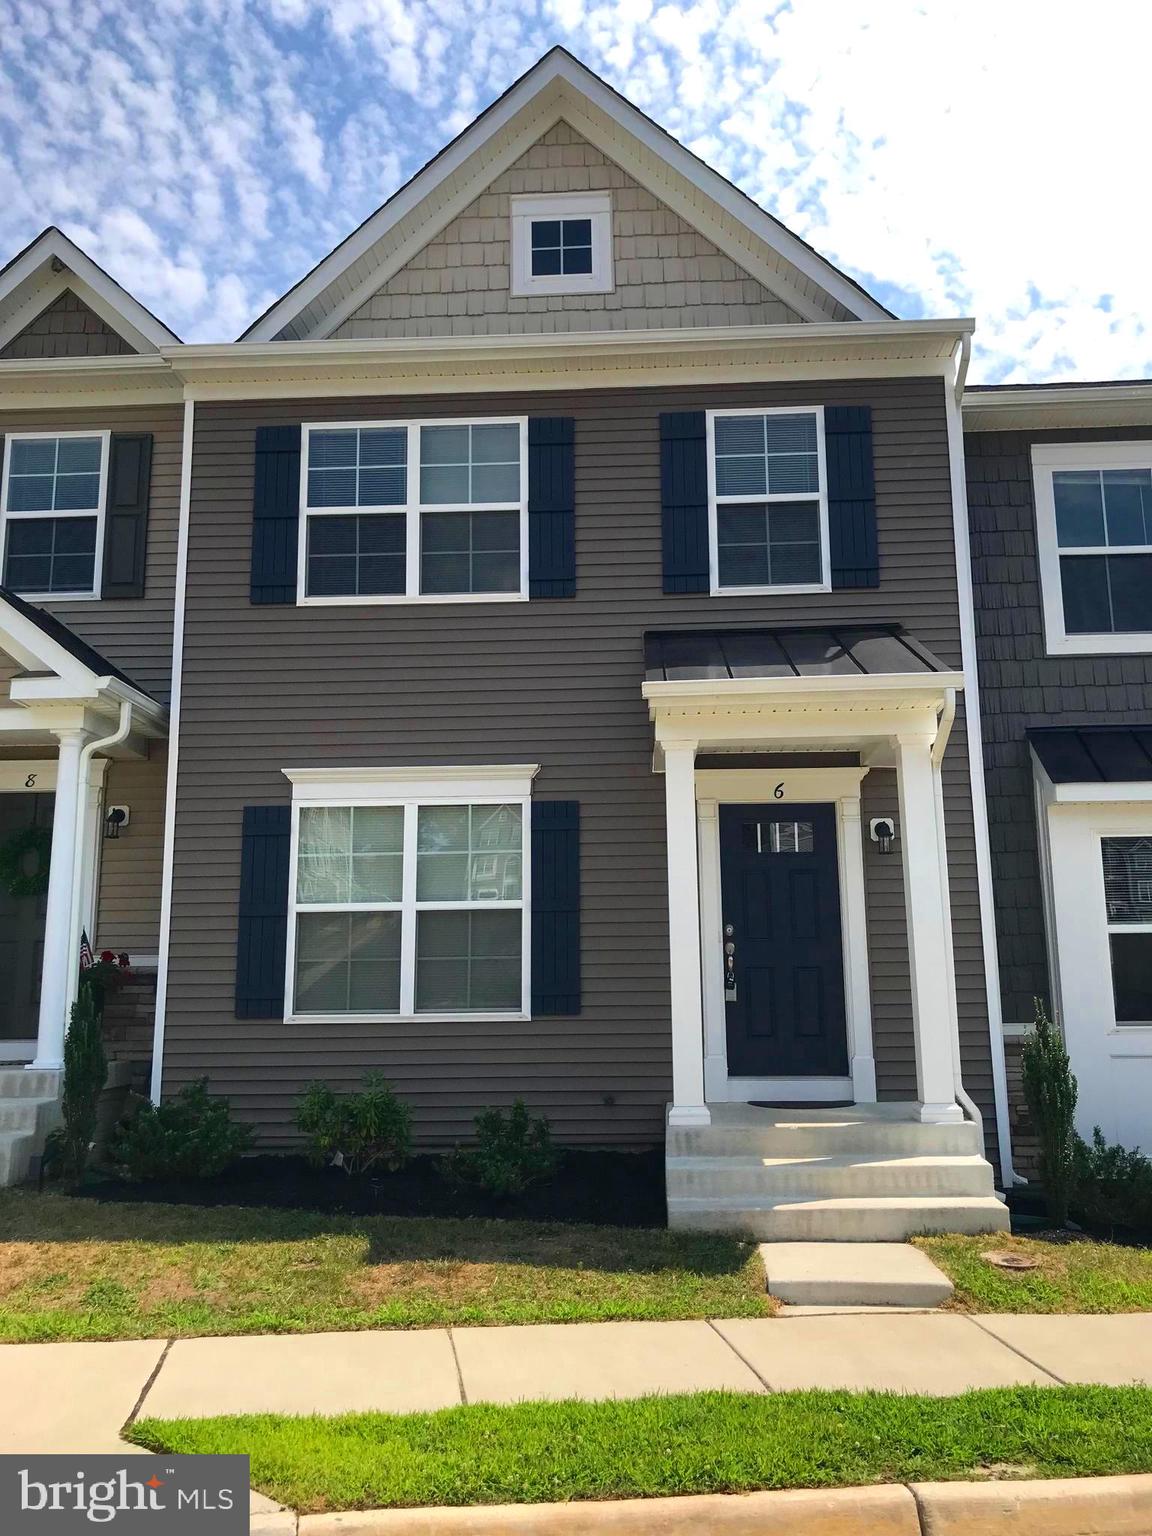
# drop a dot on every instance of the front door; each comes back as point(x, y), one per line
point(784, 971)
point(21, 928)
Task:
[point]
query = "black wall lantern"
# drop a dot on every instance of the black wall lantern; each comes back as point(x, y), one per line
point(883, 833)
point(115, 819)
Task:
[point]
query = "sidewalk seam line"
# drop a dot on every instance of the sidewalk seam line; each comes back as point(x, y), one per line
point(459, 1368)
point(147, 1387)
point(743, 1360)
point(1060, 1380)
point(920, 1511)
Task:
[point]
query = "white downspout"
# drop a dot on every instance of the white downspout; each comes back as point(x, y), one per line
point(975, 735)
point(87, 753)
point(939, 747)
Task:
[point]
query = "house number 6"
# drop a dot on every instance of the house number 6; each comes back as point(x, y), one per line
point(778, 792)
point(30, 781)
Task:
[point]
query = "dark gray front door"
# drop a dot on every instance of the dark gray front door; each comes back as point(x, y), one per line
point(21, 928)
point(784, 977)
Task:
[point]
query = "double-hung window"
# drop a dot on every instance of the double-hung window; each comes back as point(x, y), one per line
point(768, 501)
point(1128, 903)
point(411, 907)
point(52, 511)
point(395, 511)
point(1094, 539)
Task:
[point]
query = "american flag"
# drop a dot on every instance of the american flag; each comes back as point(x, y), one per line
point(85, 952)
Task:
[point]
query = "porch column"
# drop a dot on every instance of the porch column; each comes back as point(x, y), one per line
point(55, 980)
point(688, 1106)
point(927, 920)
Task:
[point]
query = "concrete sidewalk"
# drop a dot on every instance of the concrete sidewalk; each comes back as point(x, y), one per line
point(76, 1397)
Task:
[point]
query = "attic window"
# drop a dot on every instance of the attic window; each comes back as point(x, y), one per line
point(562, 243)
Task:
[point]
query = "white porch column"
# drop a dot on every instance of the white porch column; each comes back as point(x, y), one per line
point(933, 984)
point(688, 1106)
point(56, 980)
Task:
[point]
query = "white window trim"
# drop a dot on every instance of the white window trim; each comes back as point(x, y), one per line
point(105, 437)
point(1047, 457)
point(825, 582)
point(596, 206)
point(411, 788)
point(411, 510)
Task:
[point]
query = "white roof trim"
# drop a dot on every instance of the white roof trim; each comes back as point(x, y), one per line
point(28, 285)
point(1076, 405)
point(911, 685)
point(558, 86)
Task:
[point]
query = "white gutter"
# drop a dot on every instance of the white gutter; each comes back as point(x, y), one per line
point(179, 605)
point(974, 733)
point(87, 752)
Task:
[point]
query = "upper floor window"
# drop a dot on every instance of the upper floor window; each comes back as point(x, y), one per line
point(52, 502)
point(562, 243)
point(396, 511)
point(1094, 540)
point(768, 500)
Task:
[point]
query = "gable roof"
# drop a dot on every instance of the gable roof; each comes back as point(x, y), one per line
point(44, 649)
point(53, 264)
point(559, 87)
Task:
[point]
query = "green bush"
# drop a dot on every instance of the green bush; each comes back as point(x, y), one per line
point(189, 1136)
point(511, 1153)
point(1113, 1185)
point(85, 1068)
point(1050, 1090)
point(356, 1130)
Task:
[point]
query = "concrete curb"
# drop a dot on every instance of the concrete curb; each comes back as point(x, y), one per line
point(1097, 1506)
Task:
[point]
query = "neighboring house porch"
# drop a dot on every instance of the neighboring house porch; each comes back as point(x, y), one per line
point(67, 716)
point(767, 741)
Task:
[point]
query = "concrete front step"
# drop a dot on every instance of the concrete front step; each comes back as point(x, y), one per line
point(853, 1274)
point(17, 1148)
point(28, 1114)
point(28, 1083)
point(843, 1174)
point(812, 1133)
point(860, 1219)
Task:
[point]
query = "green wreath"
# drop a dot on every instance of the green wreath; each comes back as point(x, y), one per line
point(14, 876)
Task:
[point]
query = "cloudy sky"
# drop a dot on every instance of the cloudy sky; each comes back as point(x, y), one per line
point(966, 158)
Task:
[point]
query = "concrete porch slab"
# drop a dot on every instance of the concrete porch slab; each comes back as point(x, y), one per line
point(597, 1360)
point(853, 1274)
point(937, 1354)
point(306, 1373)
point(71, 1397)
point(1112, 1350)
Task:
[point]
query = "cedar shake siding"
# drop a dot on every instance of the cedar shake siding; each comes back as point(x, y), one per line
point(135, 634)
point(666, 274)
point(554, 682)
point(1021, 687)
point(67, 328)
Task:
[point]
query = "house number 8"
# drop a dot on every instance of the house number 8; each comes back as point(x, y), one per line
point(30, 781)
point(778, 792)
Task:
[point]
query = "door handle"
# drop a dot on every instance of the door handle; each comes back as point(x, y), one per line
point(729, 966)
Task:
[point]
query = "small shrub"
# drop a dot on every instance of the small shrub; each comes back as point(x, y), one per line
point(1113, 1185)
point(355, 1131)
point(85, 1068)
point(512, 1152)
point(189, 1136)
point(1050, 1089)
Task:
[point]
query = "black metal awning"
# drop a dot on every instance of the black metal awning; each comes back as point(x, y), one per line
point(850, 651)
point(1094, 754)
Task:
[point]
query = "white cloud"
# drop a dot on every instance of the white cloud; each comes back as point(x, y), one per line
point(963, 156)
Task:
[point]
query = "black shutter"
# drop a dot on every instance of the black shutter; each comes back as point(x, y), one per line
point(555, 907)
point(276, 515)
point(851, 496)
point(684, 500)
point(126, 514)
point(551, 507)
point(263, 927)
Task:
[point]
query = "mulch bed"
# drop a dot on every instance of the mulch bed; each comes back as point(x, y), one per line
point(606, 1188)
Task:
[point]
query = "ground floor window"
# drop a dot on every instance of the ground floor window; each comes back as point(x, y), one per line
point(410, 907)
point(1128, 899)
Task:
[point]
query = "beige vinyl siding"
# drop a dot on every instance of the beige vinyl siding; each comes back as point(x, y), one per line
point(128, 900)
point(66, 328)
point(134, 634)
point(666, 273)
point(550, 682)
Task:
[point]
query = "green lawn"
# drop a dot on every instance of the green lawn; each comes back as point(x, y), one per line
point(1075, 1274)
point(75, 1269)
point(714, 1442)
